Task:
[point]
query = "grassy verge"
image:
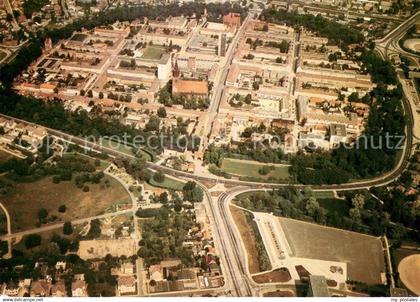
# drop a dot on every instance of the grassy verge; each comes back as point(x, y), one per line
point(257, 256)
point(124, 148)
point(252, 168)
point(168, 183)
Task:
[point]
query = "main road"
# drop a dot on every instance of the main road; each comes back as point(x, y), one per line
point(391, 39)
point(219, 84)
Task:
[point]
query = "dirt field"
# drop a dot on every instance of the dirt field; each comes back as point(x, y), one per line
point(279, 293)
point(91, 249)
point(409, 269)
point(28, 198)
point(363, 254)
point(278, 275)
point(247, 237)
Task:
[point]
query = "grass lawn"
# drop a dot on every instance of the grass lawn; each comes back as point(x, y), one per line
point(250, 168)
point(79, 37)
point(123, 148)
point(323, 194)
point(168, 183)
point(154, 52)
point(23, 204)
point(334, 205)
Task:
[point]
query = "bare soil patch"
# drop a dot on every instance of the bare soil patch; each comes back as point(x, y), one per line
point(279, 293)
point(277, 275)
point(409, 269)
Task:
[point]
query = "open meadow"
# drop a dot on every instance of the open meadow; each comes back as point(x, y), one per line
point(25, 201)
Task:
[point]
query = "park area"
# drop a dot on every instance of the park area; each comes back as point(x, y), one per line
point(362, 253)
point(251, 169)
point(154, 52)
point(26, 199)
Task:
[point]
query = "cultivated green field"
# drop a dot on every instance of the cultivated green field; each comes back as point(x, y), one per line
point(250, 168)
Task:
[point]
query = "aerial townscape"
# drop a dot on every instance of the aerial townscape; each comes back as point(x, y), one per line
point(252, 148)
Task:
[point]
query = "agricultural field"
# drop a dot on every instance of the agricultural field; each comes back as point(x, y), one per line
point(362, 253)
point(50, 196)
point(251, 168)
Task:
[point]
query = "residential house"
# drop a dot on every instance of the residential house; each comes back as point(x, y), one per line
point(58, 289)
point(40, 288)
point(127, 285)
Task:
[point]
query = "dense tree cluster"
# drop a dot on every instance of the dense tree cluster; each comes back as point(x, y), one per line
point(166, 98)
point(380, 70)
point(335, 32)
point(62, 169)
point(360, 211)
point(33, 6)
point(165, 231)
